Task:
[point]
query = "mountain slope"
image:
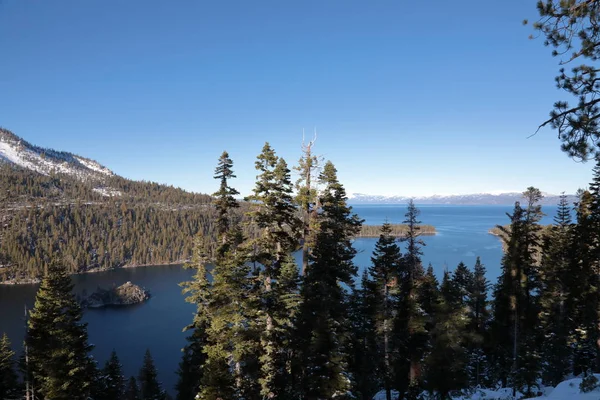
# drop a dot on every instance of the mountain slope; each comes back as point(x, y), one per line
point(16, 151)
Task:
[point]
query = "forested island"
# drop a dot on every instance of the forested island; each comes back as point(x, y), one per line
point(397, 230)
point(124, 295)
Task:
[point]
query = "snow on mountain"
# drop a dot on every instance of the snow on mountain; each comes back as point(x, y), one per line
point(16, 151)
point(495, 198)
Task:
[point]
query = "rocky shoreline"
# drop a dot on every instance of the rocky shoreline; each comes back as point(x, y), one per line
point(124, 295)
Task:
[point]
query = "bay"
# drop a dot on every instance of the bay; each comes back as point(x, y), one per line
point(462, 235)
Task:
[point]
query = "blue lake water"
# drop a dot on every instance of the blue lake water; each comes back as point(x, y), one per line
point(157, 324)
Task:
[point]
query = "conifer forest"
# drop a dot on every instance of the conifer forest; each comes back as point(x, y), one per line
point(271, 325)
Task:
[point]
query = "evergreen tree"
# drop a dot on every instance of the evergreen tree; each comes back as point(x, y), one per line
point(132, 392)
point(112, 381)
point(57, 341)
point(275, 216)
point(585, 281)
point(382, 286)
point(198, 291)
point(478, 325)
point(190, 367)
point(150, 387)
point(366, 356)
point(324, 320)
point(516, 303)
point(410, 318)
point(571, 27)
point(229, 370)
point(447, 360)
point(9, 386)
point(556, 306)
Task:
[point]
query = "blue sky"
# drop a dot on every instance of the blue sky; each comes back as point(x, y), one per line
point(409, 98)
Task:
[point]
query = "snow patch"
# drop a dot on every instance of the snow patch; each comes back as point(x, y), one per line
point(94, 166)
point(108, 192)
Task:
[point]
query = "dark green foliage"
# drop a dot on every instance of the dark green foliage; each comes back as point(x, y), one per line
point(274, 214)
point(572, 29)
point(557, 305)
point(57, 341)
point(150, 387)
point(9, 386)
point(132, 392)
point(190, 366)
point(446, 362)
point(190, 370)
point(367, 355)
point(478, 326)
point(324, 321)
point(516, 304)
point(112, 381)
point(410, 322)
point(382, 289)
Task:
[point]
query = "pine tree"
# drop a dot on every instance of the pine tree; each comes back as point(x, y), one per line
point(585, 278)
point(229, 370)
point(190, 367)
point(478, 325)
point(447, 360)
point(150, 387)
point(198, 292)
point(132, 392)
point(555, 304)
point(9, 386)
point(410, 319)
point(324, 319)
point(275, 216)
point(383, 283)
point(366, 356)
point(112, 381)
point(57, 341)
point(516, 303)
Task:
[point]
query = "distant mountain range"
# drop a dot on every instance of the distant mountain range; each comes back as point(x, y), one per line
point(462, 199)
point(16, 151)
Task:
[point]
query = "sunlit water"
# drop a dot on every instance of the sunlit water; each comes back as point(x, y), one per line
point(157, 324)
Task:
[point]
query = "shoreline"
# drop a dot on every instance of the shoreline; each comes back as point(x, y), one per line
point(37, 281)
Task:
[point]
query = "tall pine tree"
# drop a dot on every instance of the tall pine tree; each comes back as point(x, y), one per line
point(555, 302)
point(324, 319)
point(112, 381)
point(9, 387)
point(275, 216)
point(410, 317)
point(384, 275)
point(57, 341)
point(150, 387)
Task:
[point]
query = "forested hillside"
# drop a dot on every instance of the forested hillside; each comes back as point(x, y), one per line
point(93, 223)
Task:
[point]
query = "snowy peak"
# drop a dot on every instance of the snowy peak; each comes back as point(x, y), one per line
point(16, 151)
point(496, 198)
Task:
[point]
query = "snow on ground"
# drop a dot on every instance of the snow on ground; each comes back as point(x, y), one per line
point(108, 192)
point(46, 160)
point(94, 166)
point(566, 390)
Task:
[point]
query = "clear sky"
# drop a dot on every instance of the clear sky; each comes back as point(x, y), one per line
point(408, 97)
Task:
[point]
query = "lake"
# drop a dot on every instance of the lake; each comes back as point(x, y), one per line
point(157, 324)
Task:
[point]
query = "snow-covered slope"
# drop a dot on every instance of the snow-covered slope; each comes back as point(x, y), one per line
point(17, 151)
point(461, 199)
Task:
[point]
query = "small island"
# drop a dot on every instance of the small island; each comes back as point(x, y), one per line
point(398, 230)
point(124, 295)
